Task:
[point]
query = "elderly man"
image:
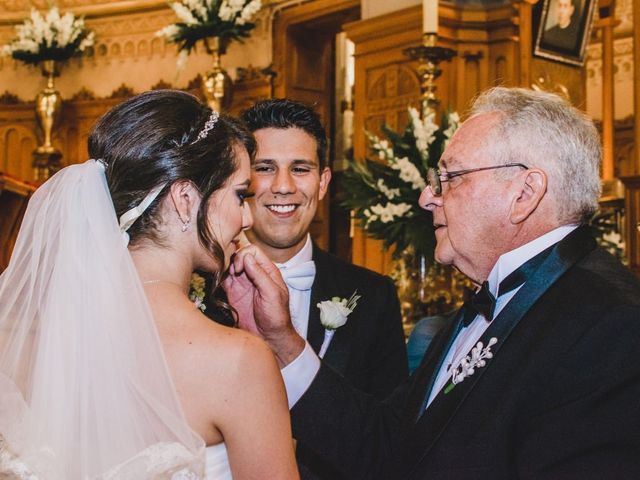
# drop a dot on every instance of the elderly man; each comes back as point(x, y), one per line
point(538, 376)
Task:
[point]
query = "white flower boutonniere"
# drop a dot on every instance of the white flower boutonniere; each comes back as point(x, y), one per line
point(333, 315)
point(196, 291)
point(466, 367)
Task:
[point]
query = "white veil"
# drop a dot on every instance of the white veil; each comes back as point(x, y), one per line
point(85, 391)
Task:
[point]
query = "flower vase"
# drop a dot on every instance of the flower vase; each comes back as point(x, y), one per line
point(426, 288)
point(216, 85)
point(46, 158)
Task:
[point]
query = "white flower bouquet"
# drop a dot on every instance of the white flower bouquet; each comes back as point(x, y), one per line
point(202, 19)
point(383, 192)
point(49, 37)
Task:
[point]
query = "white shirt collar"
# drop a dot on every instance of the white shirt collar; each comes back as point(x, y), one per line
point(304, 255)
point(509, 261)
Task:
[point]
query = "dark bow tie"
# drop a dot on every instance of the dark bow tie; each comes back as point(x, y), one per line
point(484, 303)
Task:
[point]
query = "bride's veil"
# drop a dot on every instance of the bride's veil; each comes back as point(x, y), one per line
point(85, 391)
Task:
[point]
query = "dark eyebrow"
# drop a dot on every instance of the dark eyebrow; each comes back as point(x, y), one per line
point(297, 161)
point(301, 161)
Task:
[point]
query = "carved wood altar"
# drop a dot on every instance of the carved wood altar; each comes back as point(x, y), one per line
point(632, 224)
point(486, 43)
point(14, 196)
point(493, 45)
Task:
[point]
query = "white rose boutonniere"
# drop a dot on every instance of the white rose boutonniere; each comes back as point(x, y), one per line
point(333, 315)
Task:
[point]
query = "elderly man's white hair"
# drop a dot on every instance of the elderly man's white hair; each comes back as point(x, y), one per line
point(543, 130)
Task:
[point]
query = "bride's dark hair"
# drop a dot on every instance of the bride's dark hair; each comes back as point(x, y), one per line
point(149, 140)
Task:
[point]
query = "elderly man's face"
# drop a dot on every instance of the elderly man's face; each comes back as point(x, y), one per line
point(564, 10)
point(471, 214)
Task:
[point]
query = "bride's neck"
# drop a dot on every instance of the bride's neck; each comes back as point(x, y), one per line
point(162, 265)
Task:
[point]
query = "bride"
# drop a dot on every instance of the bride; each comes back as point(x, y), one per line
point(107, 369)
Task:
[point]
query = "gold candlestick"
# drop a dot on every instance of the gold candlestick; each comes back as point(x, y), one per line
point(46, 158)
point(429, 56)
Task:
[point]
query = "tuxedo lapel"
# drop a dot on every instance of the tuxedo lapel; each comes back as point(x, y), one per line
point(444, 406)
point(426, 375)
point(315, 330)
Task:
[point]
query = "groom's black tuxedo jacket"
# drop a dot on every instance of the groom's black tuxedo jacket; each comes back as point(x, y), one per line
point(368, 351)
point(559, 399)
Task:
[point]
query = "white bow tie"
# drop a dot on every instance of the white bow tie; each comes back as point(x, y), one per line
point(299, 277)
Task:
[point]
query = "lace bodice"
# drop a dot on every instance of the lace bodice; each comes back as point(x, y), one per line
point(159, 461)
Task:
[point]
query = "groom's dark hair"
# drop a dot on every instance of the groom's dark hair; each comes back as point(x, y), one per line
point(284, 113)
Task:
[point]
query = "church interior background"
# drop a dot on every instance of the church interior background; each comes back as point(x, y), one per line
point(344, 56)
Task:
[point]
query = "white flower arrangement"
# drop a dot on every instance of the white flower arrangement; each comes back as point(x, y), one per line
point(333, 315)
point(49, 37)
point(384, 191)
point(202, 19)
point(468, 365)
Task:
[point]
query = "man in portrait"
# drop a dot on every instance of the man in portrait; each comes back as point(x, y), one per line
point(563, 34)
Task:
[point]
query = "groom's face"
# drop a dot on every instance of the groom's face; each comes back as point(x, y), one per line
point(288, 186)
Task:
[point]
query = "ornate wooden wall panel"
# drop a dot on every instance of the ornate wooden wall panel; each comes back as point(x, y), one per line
point(632, 213)
point(387, 82)
point(303, 54)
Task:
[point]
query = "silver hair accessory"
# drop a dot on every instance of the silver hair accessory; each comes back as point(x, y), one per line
point(213, 119)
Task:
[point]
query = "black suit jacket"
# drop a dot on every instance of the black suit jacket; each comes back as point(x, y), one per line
point(368, 351)
point(559, 399)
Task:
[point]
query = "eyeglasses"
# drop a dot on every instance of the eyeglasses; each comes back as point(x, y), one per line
point(435, 178)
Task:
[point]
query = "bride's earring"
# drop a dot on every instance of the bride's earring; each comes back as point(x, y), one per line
point(185, 225)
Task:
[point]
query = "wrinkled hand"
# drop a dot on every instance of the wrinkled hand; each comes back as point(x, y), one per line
point(255, 288)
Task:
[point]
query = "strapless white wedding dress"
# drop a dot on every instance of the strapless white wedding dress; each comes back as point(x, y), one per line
point(217, 463)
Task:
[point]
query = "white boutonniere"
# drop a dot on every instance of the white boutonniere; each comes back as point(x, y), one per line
point(196, 291)
point(467, 365)
point(333, 315)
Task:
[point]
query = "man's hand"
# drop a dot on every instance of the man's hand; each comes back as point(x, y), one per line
point(256, 290)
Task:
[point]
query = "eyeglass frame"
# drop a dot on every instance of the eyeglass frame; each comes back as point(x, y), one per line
point(434, 182)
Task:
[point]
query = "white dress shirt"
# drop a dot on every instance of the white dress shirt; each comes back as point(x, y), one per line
point(299, 300)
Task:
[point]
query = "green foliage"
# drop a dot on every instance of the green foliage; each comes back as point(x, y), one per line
point(605, 227)
point(383, 192)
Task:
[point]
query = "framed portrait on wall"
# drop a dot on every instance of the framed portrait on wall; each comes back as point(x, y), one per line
point(564, 29)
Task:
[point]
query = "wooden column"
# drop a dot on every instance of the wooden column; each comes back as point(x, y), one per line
point(636, 83)
point(632, 221)
point(525, 35)
point(607, 23)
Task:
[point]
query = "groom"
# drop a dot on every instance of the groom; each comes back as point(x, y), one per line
point(538, 376)
point(289, 178)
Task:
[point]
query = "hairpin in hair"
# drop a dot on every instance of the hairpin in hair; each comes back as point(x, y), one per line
point(213, 119)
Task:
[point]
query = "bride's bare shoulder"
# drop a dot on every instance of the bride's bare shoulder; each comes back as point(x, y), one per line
point(208, 344)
